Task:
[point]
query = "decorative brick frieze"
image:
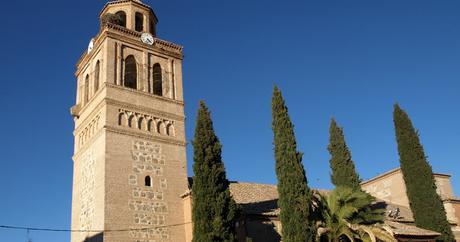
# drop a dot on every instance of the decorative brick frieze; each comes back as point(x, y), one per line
point(89, 130)
point(146, 123)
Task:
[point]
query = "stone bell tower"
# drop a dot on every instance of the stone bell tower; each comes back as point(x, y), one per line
point(129, 158)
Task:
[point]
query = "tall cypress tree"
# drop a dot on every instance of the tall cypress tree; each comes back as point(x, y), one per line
point(425, 203)
point(342, 166)
point(294, 193)
point(213, 209)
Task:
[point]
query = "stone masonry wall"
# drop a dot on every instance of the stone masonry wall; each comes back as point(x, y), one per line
point(87, 191)
point(147, 202)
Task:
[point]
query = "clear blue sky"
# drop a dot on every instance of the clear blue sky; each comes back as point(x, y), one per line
point(351, 60)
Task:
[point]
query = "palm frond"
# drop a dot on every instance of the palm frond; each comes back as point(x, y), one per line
point(349, 214)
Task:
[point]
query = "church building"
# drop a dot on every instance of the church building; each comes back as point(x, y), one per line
point(130, 165)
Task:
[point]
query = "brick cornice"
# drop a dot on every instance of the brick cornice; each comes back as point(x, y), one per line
point(146, 136)
point(130, 106)
point(134, 107)
point(131, 37)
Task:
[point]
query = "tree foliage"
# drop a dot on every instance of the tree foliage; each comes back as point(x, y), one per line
point(425, 203)
point(342, 217)
point(213, 209)
point(294, 193)
point(342, 166)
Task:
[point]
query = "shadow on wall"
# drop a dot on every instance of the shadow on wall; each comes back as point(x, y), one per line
point(261, 230)
point(261, 221)
point(95, 238)
point(260, 208)
point(259, 226)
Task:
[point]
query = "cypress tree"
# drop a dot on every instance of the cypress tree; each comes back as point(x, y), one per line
point(342, 166)
point(213, 209)
point(294, 193)
point(425, 203)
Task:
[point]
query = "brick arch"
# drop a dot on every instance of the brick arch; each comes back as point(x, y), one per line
point(122, 119)
point(142, 124)
point(170, 130)
point(132, 120)
point(151, 125)
point(97, 76)
point(130, 76)
point(161, 128)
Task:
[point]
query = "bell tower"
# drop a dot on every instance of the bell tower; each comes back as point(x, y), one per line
point(129, 155)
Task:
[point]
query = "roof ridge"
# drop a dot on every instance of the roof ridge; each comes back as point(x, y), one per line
point(256, 183)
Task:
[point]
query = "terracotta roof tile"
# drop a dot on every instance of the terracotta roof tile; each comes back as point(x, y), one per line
point(256, 199)
point(261, 199)
point(409, 230)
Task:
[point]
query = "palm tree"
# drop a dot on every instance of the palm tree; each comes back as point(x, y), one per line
point(347, 214)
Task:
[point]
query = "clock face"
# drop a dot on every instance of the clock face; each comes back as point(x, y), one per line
point(90, 45)
point(147, 38)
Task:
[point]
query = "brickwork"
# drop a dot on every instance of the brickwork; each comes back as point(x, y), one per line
point(147, 201)
point(136, 135)
point(87, 191)
point(146, 122)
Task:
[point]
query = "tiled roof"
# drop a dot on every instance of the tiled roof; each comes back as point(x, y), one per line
point(244, 192)
point(404, 214)
point(400, 229)
point(256, 198)
point(261, 199)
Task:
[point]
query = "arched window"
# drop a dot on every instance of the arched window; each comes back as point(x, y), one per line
point(130, 72)
point(148, 181)
point(121, 18)
point(86, 95)
point(157, 80)
point(152, 27)
point(139, 22)
point(97, 71)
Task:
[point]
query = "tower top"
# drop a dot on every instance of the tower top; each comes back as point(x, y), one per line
point(131, 14)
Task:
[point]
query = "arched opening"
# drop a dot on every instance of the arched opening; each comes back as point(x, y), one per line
point(130, 72)
point(157, 80)
point(150, 125)
point(152, 27)
point(170, 130)
point(132, 121)
point(139, 25)
point(86, 95)
point(142, 124)
point(122, 119)
point(121, 18)
point(148, 181)
point(97, 71)
point(161, 128)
